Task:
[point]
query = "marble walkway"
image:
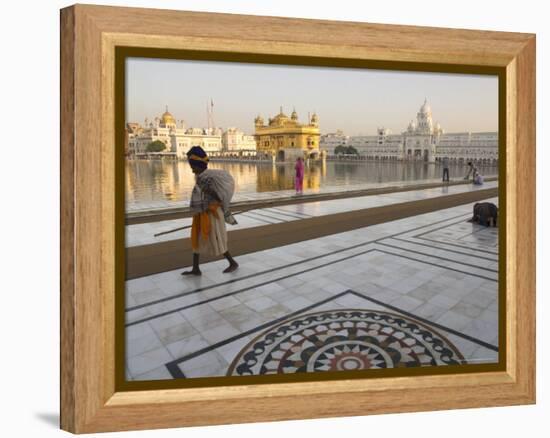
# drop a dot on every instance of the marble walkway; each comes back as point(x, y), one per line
point(412, 292)
point(144, 234)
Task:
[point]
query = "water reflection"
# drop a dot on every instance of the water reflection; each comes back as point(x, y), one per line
point(153, 180)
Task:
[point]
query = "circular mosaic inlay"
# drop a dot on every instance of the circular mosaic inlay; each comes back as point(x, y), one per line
point(344, 340)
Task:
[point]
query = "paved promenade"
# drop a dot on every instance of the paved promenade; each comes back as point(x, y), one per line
point(143, 234)
point(413, 292)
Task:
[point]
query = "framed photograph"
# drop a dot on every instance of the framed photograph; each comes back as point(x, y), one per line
point(276, 218)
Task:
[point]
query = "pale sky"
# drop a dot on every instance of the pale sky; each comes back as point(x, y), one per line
point(356, 101)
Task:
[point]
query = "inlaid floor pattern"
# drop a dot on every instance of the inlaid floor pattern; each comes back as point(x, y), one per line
point(413, 292)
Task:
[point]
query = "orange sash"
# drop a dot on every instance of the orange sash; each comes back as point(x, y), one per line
point(201, 225)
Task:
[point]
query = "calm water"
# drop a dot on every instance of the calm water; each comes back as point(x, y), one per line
point(156, 180)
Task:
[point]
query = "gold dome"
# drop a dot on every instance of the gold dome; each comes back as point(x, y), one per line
point(167, 118)
point(279, 119)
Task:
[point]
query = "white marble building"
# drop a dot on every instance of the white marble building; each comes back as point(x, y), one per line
point(235, 141)
point(177, 138)
point(330, 141)
point(384, 145)
point(209, 139)
point(425, 140)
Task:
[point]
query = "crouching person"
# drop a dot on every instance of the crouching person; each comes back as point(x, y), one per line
point(210, 200)
point(485, 213)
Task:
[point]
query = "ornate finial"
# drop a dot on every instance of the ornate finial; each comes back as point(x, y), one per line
point(281, 110)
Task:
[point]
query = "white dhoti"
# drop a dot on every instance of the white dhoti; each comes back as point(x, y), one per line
point(208, 232)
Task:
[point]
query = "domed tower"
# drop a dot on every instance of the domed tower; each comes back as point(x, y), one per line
point(259, 121)
point(314, 119)
point(424, 119)
point(412, 127)
point(294, 115)
point(167, 120)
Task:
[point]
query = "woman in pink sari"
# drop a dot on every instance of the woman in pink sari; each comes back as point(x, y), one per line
point(299, 179)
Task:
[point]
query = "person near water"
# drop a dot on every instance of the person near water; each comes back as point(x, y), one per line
point(299, 179)
point(478, 179)
point(210, 200)
point(445, 163)
point(472, 170)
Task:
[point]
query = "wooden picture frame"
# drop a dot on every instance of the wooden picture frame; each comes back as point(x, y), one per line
point(91, 400)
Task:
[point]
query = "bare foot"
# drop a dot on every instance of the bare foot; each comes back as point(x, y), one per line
point(232, 267)
point(192, 272)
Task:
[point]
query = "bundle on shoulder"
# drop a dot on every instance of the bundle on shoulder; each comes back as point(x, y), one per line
point(220, 184)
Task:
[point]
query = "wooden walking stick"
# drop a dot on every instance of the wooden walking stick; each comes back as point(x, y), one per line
point(172, 231)
point(189, 226)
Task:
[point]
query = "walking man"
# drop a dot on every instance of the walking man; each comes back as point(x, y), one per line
point(445, 169)
point(210, 200)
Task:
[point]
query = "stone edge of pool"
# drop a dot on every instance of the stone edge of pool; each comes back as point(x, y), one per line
point(170, 213)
